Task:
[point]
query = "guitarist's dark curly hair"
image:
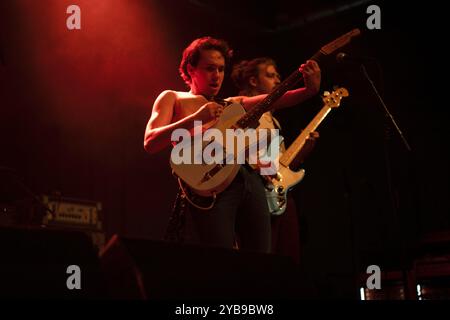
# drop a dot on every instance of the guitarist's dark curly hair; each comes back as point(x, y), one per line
point(246, 69)
point(191, 55)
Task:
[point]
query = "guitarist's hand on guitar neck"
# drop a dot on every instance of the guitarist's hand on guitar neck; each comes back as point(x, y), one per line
point(310, 71)
point(312, 76)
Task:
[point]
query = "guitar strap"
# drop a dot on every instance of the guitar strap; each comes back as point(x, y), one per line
point(276, 122)
point(177, 221)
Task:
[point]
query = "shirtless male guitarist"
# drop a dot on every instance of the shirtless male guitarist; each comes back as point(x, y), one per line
point(242, 207)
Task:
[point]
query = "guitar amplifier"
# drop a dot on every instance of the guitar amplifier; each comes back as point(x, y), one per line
point(75, 214)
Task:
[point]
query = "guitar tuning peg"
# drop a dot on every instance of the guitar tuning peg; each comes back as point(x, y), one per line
point(326, 93)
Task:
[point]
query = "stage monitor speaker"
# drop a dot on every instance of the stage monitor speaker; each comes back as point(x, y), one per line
point(35, 263)
point(157, 270)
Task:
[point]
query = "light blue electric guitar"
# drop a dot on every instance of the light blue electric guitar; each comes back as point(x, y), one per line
point(278, 185)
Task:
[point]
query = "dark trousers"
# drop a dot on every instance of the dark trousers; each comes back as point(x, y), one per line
point(285, 232)
point(240, 210)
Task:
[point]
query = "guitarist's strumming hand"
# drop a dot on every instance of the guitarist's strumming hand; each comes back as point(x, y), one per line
point(210, 111)
point(312, 76)
point(265, 165)
point(304, 153)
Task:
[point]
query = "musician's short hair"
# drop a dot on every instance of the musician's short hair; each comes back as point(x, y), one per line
point(191, 55)
point(244, 70)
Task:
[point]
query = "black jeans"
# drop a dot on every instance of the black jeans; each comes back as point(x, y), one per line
point(240, 210)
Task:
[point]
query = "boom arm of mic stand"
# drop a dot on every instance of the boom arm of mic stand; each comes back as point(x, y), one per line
point(386, 110)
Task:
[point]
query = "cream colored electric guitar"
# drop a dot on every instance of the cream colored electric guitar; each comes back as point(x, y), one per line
point(278, 185)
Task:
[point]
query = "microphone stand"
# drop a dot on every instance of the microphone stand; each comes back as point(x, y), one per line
point(409, 290)
point(385, 108)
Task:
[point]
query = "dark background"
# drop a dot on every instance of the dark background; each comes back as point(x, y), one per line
point(74, 106)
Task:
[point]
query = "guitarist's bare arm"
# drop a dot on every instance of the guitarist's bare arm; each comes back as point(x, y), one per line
point(312, 76)
point(162, 123)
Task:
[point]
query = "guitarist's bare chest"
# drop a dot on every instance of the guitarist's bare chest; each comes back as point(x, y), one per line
point(186, 106)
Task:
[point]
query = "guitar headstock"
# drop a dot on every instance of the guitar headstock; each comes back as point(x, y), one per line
point(333, 99)
point(339, 42)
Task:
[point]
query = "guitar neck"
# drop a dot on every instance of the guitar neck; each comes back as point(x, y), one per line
point(293, 150)
point(250, 119)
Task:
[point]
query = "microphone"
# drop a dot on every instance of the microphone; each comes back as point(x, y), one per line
point(345, 58)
